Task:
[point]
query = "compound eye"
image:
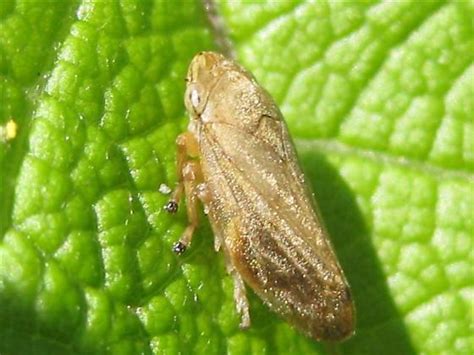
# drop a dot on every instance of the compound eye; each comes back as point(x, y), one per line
point(194, 100)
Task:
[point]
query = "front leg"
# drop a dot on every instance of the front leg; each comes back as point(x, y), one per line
point(186, 147)
point(191, 178)
point(189, 181)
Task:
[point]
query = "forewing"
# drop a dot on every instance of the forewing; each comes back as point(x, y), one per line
point(276, 240)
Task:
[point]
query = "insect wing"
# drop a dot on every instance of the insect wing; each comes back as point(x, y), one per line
point(271, 232)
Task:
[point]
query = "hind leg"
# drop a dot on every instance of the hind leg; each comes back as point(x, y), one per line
point(240, 299)
point(240, 293)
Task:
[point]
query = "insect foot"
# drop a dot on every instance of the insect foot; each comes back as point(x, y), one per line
point(171, 207)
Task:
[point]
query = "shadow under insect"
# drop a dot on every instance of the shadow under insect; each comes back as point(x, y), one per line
point(379, 326)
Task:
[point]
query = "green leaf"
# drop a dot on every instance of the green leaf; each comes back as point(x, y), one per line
point(379, 99)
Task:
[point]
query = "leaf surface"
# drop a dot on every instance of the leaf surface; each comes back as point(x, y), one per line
point(379, 99)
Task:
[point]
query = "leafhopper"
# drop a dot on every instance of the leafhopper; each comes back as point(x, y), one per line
point(238, 159)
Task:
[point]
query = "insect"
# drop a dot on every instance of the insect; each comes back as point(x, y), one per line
point(238, 159)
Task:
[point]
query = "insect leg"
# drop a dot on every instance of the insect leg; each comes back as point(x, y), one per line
point(240, 293)
point(186, 146)
point(204, 195)
point(191, 177)
point(240, 299)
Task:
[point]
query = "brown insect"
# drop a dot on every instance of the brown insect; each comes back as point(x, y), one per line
point(238, 159)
